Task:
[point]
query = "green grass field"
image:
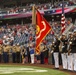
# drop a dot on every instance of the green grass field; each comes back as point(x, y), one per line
point(27, 70)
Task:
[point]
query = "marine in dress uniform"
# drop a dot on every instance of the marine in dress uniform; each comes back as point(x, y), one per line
point(56, 52)
point(73, 52)
point(70, 54)
point(64, 51)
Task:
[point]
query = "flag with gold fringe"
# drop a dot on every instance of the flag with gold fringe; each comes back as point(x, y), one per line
point(42, 29)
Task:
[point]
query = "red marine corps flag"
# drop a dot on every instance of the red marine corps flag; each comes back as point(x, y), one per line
point(42, 29)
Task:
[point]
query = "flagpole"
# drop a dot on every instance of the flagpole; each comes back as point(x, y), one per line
point(33, 15)
point(63, 7)
point(34, 23)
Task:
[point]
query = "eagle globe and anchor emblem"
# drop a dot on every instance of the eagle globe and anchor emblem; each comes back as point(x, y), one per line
point(40, 30)
point(37, 29)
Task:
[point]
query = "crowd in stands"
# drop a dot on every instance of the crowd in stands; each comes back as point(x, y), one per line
point(13, 34)
point(16, 33)
point(28, 7)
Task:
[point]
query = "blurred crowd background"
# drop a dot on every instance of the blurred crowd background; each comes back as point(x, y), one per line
point(10, 8)
point(23, 35)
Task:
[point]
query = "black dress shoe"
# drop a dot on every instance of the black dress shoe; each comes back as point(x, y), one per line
point(64, 69)
point(55, 68)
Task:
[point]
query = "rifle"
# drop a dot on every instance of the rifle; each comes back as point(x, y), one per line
point(52, 47)
point(69, 48)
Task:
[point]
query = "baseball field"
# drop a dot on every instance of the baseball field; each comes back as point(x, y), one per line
point(27, 70)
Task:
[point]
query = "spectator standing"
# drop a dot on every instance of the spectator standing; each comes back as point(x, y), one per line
point(18, 56)
point(46, 54)
point(28, 53)
point(1, 49)
point(14, 53)
point(32, 53)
